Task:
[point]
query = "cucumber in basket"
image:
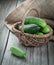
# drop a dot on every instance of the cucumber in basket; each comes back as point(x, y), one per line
point(39, 33)
point(46, 29)
point(17, 52)
point(30, 28)
point(35, 20)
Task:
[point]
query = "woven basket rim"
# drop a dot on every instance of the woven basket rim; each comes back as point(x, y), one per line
point(32, 35)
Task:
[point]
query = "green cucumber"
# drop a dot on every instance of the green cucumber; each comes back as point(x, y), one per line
point(17, 52)
point(39, 33)
point(46, 29)
point(30, 28)
point(35, 20)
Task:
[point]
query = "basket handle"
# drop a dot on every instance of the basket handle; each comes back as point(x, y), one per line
point(23, 19)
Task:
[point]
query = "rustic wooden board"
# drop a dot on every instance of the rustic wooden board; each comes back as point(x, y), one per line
point(3, 41)
point(51, 53)
point(34, 56)
point(5, 7)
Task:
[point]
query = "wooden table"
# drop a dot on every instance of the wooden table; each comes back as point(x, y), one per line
point(43, 55)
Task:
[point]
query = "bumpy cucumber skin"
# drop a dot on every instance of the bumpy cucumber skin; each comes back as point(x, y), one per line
point(17, 52)
point(46, 29)
point(30, 28)
point(35, 20)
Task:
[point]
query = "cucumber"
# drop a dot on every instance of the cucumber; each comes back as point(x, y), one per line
point(46, 29)
point(17, 52)
point(30, 28)
point(39, 33)
point(35, 20)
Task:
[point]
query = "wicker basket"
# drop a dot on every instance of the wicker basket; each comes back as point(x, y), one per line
point(30, 39)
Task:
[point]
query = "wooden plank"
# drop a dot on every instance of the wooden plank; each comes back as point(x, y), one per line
point(3, 39)
point(9, 59)
point(44, 58)
point(51, 52)
point(12, 60)
point(5, 8)
point(34, 55)
point(40, 55)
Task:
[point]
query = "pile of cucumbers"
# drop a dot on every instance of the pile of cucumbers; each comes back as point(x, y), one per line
point(34, 25)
